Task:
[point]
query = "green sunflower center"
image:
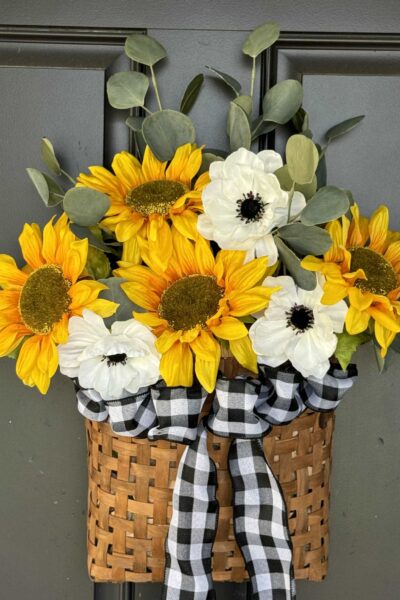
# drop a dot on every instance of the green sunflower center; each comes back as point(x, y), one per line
point(155, 196)
point(381, 277)
point(44, 299)
point(190, 301)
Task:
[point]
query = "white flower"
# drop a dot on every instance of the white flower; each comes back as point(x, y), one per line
point(114, 363)
point(244, 203)
point(297, 327)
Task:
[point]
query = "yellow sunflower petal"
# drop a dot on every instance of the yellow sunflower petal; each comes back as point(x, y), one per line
point(385, 317)
point(104, 308)
point(184, 249)
point(10, 338)
point(207, 370)
point(161, 247)
point(360, 300)
point(150, 319)
point(249, 275)
point(392, 255)
point(75, 260)
point(131, 251)
point(204, 257)
point(356, 320)
point(192, 166)
point(125, 230)
point(186, 223)
point(378, 228)
point(127, 169)
point(229, 328)
point(205, 346)
point(167, 339)
point(179, 163)
point(30, 241)
point(141, 295)
point(384, 337)
point(10, 276)
point(176, 366)
point(152, 168)
point(247, 303)
point(243, 351)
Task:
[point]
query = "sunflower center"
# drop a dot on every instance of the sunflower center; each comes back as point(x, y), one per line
point(250, 208)
point(381, 277)
point(190, 301)
point(155, 196)
point(300, 318)
point(44, 299)
point(115, 359)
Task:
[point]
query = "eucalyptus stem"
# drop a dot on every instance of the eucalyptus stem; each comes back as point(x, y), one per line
point(153, 78)
point(253, 77)
point(146, 109)
point(68, 176)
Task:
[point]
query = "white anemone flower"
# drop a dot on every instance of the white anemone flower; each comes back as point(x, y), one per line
point(244, 203)
point(297, 327)
point(115, 363)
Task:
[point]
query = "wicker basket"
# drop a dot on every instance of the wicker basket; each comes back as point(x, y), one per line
point(130, 492)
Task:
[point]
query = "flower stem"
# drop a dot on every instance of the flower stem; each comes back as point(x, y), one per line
point(253, 77)
point(146, 109)
point(154, 80)
point(68, 176)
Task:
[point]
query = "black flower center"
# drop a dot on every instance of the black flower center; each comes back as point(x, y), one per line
point(115, 359)
point(300, 318)
point(251, 208)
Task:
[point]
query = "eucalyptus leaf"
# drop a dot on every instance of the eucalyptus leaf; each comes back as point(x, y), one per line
point(49, 191)
point(49, 156)
point(135, 123)
point(261, 127)
point(207, 159)
point(144, 49)
point(306, 240)
point(282, 101)
point(85, 232)
point(230, 81)
point(127, 90)
point(261, 38)
point(85, 206)
point(97, 264)
point(347, 344)
point(238, 128)
point(245, 102)
point(343, 127)
point(286, 183)
point(115, 293)
point(307, 280)
point(321, 172)
point(218, 152)
point(164, 131)
point(191, 93)
point(302, 158)
point(327, 204)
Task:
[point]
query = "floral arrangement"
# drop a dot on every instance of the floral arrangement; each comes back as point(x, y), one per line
point(157, 270)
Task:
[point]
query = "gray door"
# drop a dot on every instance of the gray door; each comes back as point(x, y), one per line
point(54, 60)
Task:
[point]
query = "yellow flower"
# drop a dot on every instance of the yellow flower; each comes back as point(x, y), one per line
point(37, 301)
point(146, 197)
point(363, 264)
point(196, 302)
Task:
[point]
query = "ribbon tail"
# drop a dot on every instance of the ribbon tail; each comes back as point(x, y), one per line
point(260, 522)
point(193, 526)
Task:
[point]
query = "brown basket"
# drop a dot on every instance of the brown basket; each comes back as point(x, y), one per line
point(130, 493)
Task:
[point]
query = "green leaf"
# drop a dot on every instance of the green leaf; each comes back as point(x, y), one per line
point(230, 81)
point(85, 206)
point(49, 156)
point(347, 345)
point(261, 38)
point(144, 49)
point(261, 127)
point(306, 240)
point(286, 183)
point(85, 232)
point(207, 159)
point(191, 93)
point(327, 204)
point(302, 158)
point(115, 293)
point(97, 264)
point(321, 172)
point(246, 103)
point(135, 123)
point(307, 280)
point(343, 127)
point(127, 90)
point(164, 131)
point(49, 191)
point(282, 101)
point(238, 128)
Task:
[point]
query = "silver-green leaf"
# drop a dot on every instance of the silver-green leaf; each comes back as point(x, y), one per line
point(306, 240)
point(127, 90)
point(191, 93)
point(327, 204)
point(343, 127)
point(286, 182)
point(135, 123)
point(307, 280)
point(261, 38)
point(238, 128)
point(144, 49)
point(302, 158)
point(230, 81)
point(85, 206)
point(282, 101)
point(207, 159)
point(164, 131)
point(49, 191)
point(49, 156)
point(245, 102)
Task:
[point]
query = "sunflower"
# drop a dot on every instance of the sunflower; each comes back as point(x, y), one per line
point(196, 302)
point(146, 198)
point(363, 264)
point(37, 301)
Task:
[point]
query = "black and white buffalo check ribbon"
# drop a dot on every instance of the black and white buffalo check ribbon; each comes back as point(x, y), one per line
point(243, 409)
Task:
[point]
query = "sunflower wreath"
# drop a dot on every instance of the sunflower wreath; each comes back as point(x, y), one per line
point(161, 267)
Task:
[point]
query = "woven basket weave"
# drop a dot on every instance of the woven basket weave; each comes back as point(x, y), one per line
point(130, 494)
